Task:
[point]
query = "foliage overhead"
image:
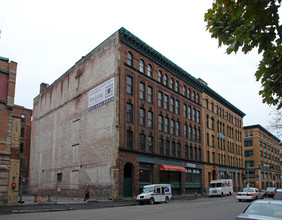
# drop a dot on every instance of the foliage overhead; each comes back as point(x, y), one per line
point(249, 24)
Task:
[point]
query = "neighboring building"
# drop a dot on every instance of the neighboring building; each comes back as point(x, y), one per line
point(262, 152)
point(222, 137)
point(9, 163)
point(123, 116)
point(24, 125)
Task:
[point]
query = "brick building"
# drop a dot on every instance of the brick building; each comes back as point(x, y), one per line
point(222, 139)
point(8, 161)
point(262, 152)
point(22, 117)
point(123, 116)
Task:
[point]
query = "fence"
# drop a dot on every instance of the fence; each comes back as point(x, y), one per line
point(57, 191)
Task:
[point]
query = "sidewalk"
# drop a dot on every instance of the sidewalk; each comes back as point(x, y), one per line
point(65, 204)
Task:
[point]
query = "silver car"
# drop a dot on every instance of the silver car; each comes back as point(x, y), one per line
point(262, 209)
point(249, 194)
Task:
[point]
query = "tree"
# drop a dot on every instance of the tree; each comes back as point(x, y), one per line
point(275, 124)
point(247, 25)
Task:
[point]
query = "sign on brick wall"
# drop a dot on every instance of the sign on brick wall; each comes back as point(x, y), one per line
point(101, 95)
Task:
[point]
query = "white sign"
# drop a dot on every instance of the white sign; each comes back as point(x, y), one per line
point(101, 95)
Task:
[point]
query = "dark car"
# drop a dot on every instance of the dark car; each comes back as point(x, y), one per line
point(262, 210)
point(278, 195)
point(270, 192)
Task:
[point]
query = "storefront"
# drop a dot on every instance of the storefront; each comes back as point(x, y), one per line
point(193, 178)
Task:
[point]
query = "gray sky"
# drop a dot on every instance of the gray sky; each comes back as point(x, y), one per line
point(46, 38)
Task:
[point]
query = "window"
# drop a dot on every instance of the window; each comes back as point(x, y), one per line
point(194, 114)
point(160, 123)
point(177, 128)
point(142, 66)
point(166, 124)
point(207, 103)
point(142, 117)
point(178, 149)
point(129, 59)
point(142, 142)
point(167, 147)
point(185, 132)
point(129, 113)
point(150, 119)
point(185, 110)
point(190, 133)
point(160, 77)
point(194, 134)
point(59, 177)
point(189, 94)
point(165, 80)
point(249, 153)
point(22, 132)
point(172, 104)
point(198, 117)
point(213, 157)
point(171, 83)
point(212, 123)
point(150, 94)
point(149, 71)
point(177, 86)
point(177, 110)
point(172, 127)
point(199, 135)
point(212, 107)
point(150, 144)
point(193, 96)
point(21, 147)
point(173, 150)
point(186, 151)
point(208, 139)
point(184, 91)
point(191, 152)
point(23, 118)
point(212, 140)
point(160, 97)
point(246, 134)
point(142, 91)
point(129, 87)
point(161, 146)
point(197, 98)
point(251, 133)
point(129, 139)
point(189, 113)
point(166, 104)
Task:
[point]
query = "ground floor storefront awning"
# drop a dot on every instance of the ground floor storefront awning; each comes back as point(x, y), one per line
point(171, 168)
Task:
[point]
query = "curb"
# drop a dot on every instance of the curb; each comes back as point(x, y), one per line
point(40, 210)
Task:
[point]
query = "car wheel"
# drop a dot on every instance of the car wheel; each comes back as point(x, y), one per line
point(166, 199)
point(152, 201)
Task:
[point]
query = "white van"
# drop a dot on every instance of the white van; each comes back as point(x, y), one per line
point(155, 193)
point(221, 187)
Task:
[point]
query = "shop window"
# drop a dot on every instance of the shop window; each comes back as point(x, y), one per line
point(129, 59)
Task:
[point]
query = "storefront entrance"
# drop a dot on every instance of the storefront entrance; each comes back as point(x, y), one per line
point(127, 180)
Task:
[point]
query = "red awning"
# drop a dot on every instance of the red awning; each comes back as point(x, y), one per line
point(171, 168)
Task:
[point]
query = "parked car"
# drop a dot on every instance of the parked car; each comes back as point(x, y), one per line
point(249, 194)
point(262, 209)
point(278, 195)
point(270, 192)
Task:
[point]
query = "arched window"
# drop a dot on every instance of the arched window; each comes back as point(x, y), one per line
point(142, 66)
point(197, 98)
point(149, 69)
point(177, 86)
point(165, 80)
point(193, 96)
point(171, 83)
point(129, 59)
point(189, 94)
point(184, 91)
point(160, 76)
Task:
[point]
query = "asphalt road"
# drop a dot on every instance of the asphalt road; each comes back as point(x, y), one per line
point(221, 208)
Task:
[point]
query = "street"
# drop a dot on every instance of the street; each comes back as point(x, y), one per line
point(216, 208)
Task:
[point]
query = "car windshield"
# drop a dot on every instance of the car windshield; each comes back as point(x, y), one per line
point(212, 185)
point(270, 189)
point(265, 209)
point(248, 190)
point(148, 189)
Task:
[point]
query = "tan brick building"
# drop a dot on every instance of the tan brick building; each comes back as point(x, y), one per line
point(222, 139)
point(8, 165)
point(262, 152)
point(123, 116)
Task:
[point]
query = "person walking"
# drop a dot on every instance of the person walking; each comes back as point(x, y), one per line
point(86, 195)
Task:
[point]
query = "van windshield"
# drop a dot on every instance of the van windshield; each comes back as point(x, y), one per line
point(213, 185)
point(148, 189)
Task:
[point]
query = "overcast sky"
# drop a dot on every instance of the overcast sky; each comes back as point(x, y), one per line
point(46, 38)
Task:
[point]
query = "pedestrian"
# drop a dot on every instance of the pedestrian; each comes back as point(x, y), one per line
point(86, 195)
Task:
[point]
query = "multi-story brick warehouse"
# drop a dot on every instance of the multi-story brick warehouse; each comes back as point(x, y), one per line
point(263, 168)
point(222, 139)
point(24, 116)
point(123, 116)
point(8, 163)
